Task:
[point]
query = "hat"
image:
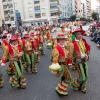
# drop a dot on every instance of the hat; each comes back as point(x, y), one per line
point(76, 31)
point(17, 33)
point(5, 33)
point(25, 34)
point(32, 33)
point(60, 36)
point(13, 38)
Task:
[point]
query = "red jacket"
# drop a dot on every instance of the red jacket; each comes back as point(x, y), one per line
point(10, 53)
point(32, 44)
point(76, 48)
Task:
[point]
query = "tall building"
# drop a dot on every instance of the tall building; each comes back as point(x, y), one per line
point(70, 8)
point(78, 10)
point(1, 14)
point(98, 6)
point(83, 10)
point(88, 8)
point(33, 11)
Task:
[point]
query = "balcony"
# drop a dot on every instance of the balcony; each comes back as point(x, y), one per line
point(53, 5)
point(12, 18)
point(54, 13)
point(4, 0)
point(36, 1)
point(7, 19)
point(5, 7)
point(54, 9)
point(10, 5)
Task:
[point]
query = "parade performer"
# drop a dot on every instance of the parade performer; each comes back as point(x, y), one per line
point(1, 81)
point(60, 67)
point(62, 29)
point(81, 50)
point(70, 34)
point(48, 34)
point(41, 41)
point(37, 45)
point(20, 41)
point(29, 52)
point(4, 40)
point(14, 52)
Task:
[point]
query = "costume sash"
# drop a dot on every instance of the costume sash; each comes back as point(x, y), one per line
point(61, 51)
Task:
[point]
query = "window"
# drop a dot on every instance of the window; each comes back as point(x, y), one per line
point(37, 8)
point(65, 13)
point(4, 0)
point(6, 19)
point(11, 11)
point(4, 6)
point(54, 14)
point(37, 15)
point(36, 1)
point(30, 15)
point(43, 7)
point(43, 14)
point(12, 18)
point(10, 5)
point(30, 9)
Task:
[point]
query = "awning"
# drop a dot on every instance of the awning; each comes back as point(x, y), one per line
point(53, 4)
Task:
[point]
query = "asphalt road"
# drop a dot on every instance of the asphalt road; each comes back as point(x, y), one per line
point(41, 86)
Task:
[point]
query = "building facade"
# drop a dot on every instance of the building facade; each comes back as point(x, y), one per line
point(78, 9)
point(83, 10)
point(32, 11)
point(98, 6)
point(88, 8)
point(1, 14)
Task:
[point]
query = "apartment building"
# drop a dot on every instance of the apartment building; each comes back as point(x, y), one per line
point(1, 14)
point(34, 11)
point(98, 6)
point(83, 9)
point(88, 8)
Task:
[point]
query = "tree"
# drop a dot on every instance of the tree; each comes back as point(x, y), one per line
point(83, 19)
point(73, 17)
point(88, 20)
point(95, 16)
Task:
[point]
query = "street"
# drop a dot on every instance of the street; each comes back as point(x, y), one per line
point(41, 86)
